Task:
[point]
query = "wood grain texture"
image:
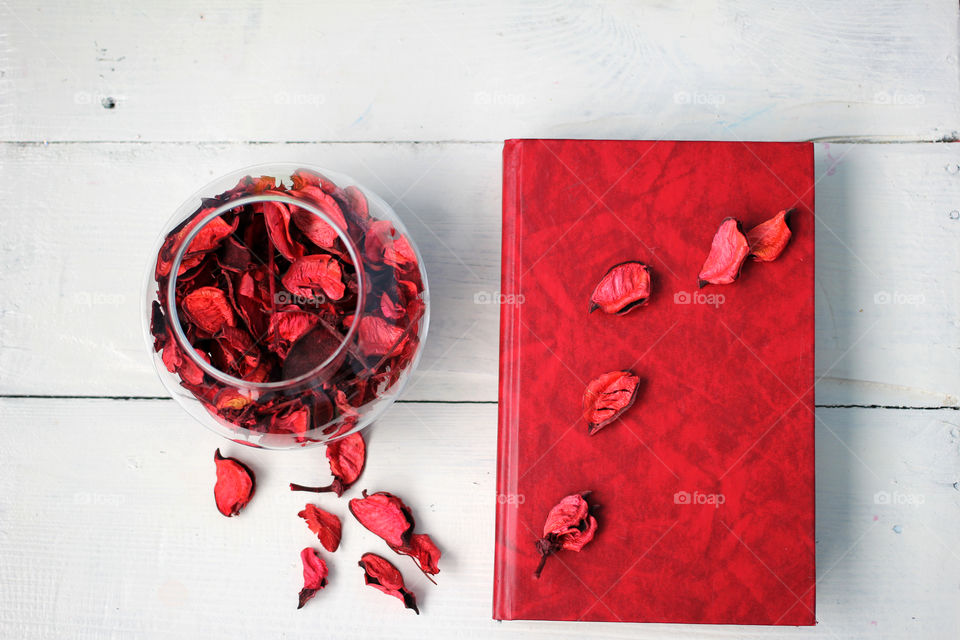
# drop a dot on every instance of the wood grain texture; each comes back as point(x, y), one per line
point(107, 527)
point(121, 538)
point(397, 70)
point(77, 268)
point(888, 261)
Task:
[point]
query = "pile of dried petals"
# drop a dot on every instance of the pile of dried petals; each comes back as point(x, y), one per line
point(385, 515)
point(266, 292)
point(382, 513)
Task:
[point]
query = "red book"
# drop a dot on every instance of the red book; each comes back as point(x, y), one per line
point(705, 485)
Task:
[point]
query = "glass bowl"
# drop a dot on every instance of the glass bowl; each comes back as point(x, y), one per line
point(285, 306)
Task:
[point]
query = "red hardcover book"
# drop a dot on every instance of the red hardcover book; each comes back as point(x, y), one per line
point(705, 485)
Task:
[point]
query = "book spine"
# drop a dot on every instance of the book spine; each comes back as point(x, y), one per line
point(811, 167)
point(510, 260)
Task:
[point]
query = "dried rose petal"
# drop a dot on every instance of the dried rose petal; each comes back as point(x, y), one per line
point(286, 327)
point(385, 515)
point(727, 252)
point(229, 398)
point(314, 575)
point(343, 404)
point(235, 257)
point(209, 236)
point(249, 305)
point(565, 522)
point(234, 351)
point(569, 526)
point(319, 232)
point(400, 254)
point(324, 524)
point(311, 350)
point(277, 218)
point(566, 515)
point(292, 419)
point(384, 243)
point(607, 397)
point(177, 362)
point(378, 337)
point(768, 239)
point(576, 539)
point(346, 457)
point(235, 485)
point(423, 551)
point(305, 178)
point(249, 185)
point(404, 307)
point(320, 405)
point(389, 308)
point(311, 274)
point(380, 574)
point(358, 204)
point(207, 307)
point(623, 287)
point(206, 240)
point(158, 326)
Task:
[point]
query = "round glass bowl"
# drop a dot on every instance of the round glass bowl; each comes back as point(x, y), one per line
point(285, 306)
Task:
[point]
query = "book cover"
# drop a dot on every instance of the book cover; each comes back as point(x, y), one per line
point(705, 485)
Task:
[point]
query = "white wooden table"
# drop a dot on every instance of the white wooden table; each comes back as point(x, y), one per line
point(112, 112)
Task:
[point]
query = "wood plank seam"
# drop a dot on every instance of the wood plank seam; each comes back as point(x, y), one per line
point(954, 136)
point(165, 398)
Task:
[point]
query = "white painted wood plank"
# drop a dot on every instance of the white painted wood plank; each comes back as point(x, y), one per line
point(72, 269)
point(71, 263)
point(108, 528)
point(888, 274)
point(397, 70)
